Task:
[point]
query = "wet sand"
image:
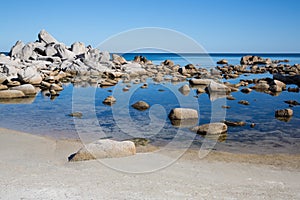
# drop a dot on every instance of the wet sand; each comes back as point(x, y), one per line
point(34, 167)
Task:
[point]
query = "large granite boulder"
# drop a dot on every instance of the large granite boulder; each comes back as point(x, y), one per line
point(211, 129)
point(141, 105)
point(45, 37)
point(30, 75)
point(196, 81)
point(78, 48)
point(50, 50)
point(183, 114)
point(16, 49)
point(104, 149)
point(64, 53)
point(11, 94)
point(27, 89)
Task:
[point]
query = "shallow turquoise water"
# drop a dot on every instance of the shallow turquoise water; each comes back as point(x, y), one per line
point(50, 117)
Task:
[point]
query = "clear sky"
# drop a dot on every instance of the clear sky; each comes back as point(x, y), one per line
point(218, 25)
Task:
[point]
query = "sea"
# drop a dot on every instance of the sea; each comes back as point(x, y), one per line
point(50, 117)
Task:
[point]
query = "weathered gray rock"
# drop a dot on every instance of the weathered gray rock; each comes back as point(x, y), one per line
point(64, 53)
point(185, 89)
point(284, 113)
point(3, 87)
point(183, 113)
point(141, 105)
point(27, 89)
point(210, 129)
point(10, 94)
point(30, 75)
point(16, 49)
point(104, 57)
point(78, 48)
point(217, 87)
point(50, 50)
point(119, 60)
point(45, 37)
point(104, 149)
point(3, 78)
point(196, 81)
point(27, 51)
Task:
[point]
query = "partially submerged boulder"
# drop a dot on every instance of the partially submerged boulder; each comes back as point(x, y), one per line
point(104, 148)
point(183, 113)
point(11, 94)
point(141, 105)
point(211, 129)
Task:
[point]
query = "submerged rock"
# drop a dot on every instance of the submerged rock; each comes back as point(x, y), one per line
point(235, 123)
point(104, 149)
point(76, 114)
point(185, 89)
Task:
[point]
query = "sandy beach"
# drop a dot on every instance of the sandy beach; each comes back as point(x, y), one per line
point(34, 167)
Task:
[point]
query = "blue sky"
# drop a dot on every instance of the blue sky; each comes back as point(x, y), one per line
point(218, 25)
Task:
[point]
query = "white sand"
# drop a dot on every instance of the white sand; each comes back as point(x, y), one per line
point(33, 167)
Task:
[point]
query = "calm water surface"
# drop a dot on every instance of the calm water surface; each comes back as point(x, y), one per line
point(43, 116)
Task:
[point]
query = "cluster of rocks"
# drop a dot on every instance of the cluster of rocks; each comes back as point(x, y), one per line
point(46, 62)
point(256, 65)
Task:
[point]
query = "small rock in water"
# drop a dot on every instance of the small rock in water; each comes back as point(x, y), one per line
point(284, 113)
point(231, 98)
point(292, 102)
point(210, 129)
point(144, 86)
point(109, 100)
point(222, 62)
point(141, 105)
point(246, 90)
point(293, 89)
point(76, 114)
point(125, 89)
point(235, 123)
point(226, 107)
point(185, 89)
point(183, 113)
point(243, 102)
point(200, 90)
point(252, 125)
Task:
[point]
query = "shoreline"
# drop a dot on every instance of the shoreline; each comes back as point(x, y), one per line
point(35, 167)
point(277, 160)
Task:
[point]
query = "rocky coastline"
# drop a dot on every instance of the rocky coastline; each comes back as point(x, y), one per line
point(44, 65)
